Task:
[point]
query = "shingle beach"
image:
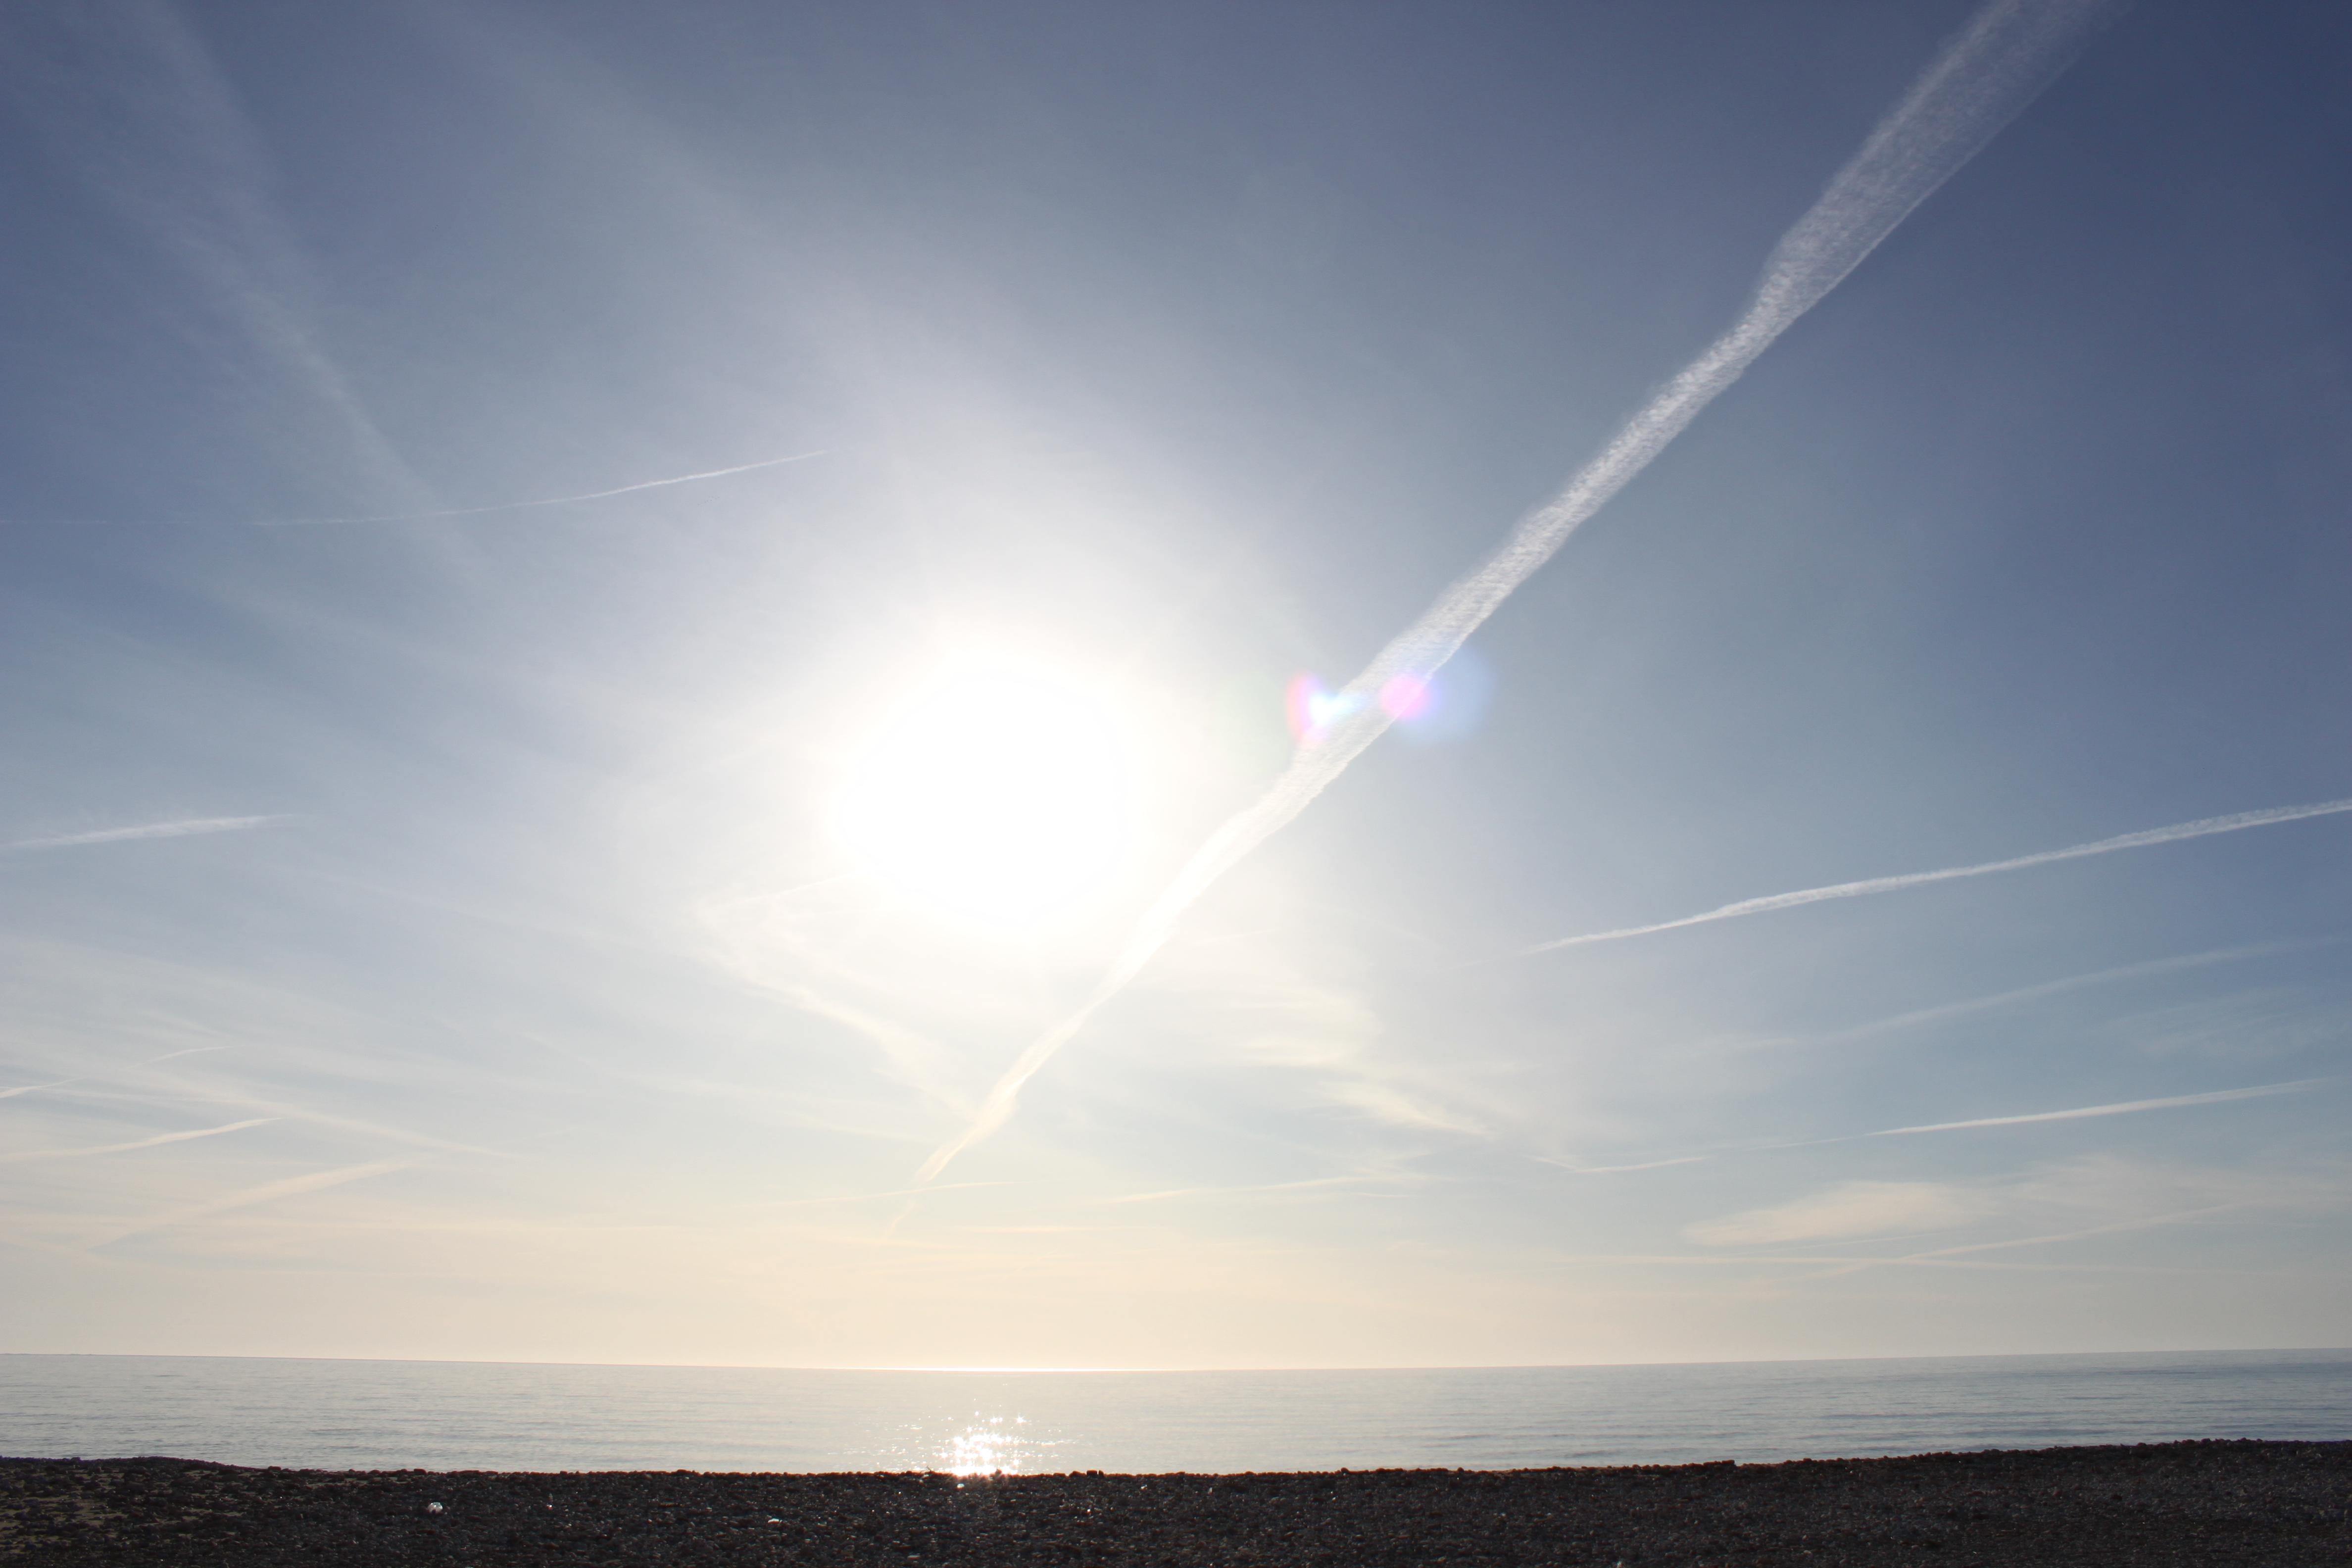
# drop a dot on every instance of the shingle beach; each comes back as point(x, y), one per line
point(2280, 1505)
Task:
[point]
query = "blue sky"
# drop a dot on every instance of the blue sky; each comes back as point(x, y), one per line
point(507, 974)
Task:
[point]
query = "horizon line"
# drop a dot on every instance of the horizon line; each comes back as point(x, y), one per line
point(1190, 1370)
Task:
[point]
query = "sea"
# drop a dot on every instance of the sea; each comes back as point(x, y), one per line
point(396, 1415)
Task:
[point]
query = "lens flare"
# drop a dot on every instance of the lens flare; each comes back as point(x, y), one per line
point(1405, 697)
point(1314, 708)
point(1443, 706)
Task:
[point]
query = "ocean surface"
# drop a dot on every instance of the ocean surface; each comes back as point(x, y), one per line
point(364, 1415)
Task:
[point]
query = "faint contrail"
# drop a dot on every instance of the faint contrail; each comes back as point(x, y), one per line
point(550, 501)
point(1980, 81)
point(2119, 1107)
point(2199, 828)
point(66, 1082)
point(465, 510)
point(180, 829)
point(317, 1181)
point(2124, 1108)
point(157, 1142)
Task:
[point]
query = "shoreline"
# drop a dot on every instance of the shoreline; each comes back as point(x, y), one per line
point(2215, 1501)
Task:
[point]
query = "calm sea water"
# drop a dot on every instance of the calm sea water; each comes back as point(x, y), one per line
point(467, 1415)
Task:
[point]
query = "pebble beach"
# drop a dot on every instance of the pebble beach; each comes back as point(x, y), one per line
point(2153, 1506)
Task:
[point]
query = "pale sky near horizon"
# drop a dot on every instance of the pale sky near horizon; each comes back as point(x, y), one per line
point(563, 931)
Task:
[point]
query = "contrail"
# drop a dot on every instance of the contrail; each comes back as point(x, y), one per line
point(2202, 827)
point(1975, 86)
point(154, 1142)
point(2124, 1108)
point(180, 829)
point(66, 1082)
point(451, 512)
point(550, 501)
point(1946, 1010)
point(2119, 1107)
point(317, 1181)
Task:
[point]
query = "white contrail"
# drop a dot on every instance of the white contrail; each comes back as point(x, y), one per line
point(1980, 81)
point(461, 511)
point(2199, 828)
point(2123, 1108)
point(180, 829)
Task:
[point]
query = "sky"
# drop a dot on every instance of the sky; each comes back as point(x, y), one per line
point(463, 896)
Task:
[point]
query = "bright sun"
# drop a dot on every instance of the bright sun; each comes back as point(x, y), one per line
point(998, 790)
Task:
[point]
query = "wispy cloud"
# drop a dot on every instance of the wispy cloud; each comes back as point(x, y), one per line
point(1981, 81)
point(182, 828)
point(155, 1142)
point(1264, 1189)
point(2121, 1108)
point(1620, 1170)
point(1948, 1255)
point(2202, 827)
point(1850, 1210)
point(2078, 1200)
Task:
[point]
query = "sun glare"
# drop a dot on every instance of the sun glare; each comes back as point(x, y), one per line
point(999, 791)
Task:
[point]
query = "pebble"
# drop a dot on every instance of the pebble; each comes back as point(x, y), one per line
point(2181, 1505)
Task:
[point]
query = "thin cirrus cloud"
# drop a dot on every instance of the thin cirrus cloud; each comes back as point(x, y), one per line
point(182, 828)
point(1981, 81)
point(2202, 827)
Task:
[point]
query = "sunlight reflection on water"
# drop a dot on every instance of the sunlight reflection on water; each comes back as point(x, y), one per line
point(988, 1449)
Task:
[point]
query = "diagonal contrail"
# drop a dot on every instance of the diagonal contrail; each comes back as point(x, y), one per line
point(2199, 828)
point(1981, 80)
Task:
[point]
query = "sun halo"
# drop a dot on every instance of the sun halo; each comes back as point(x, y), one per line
point(998, 791)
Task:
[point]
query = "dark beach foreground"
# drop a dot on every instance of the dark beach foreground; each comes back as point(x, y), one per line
point(2181, 1504)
